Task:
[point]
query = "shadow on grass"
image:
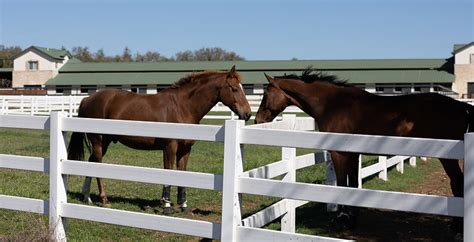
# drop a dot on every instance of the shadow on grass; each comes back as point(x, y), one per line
point(378, 225)
point(143, 204)
point(146, 205)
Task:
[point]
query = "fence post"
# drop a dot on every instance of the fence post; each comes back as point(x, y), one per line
point(21, 104)
point(383, 163)
point(401, 165)
point(469, 187)
point(233, 168)
point(288, 220)
point(3, 106)
point(70, 106)
point(57, 181)
point(413, 161)
point(32, 104)
point(359, 173)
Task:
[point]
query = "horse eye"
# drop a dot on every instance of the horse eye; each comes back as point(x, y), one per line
point(234, 89)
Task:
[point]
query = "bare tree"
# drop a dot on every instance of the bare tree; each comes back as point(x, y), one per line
point(82, 53)
point(126, 55)
point(208, 54)
point(99, 56)
point(6, 55)
point(185, 56)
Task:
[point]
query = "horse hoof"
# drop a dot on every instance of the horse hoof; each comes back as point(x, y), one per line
point(168, 210)
point(106, 205)
point(343, 221)
point(87, 200)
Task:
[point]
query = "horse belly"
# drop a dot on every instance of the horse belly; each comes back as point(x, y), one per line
point(141, 143)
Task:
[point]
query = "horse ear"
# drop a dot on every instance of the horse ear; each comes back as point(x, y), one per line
point(269, 78)
point(232, 70)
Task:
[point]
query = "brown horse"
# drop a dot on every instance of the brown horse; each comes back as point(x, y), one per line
point(338, 107)
point(187, 101)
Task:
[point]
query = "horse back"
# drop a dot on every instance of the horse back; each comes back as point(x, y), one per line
point(124, 105)
point(427, 115)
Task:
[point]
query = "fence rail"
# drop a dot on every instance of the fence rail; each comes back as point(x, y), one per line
point(44, 105)
point(234, 180)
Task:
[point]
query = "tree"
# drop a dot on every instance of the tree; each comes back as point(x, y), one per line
point(82, 53)
point(126, 55)
point(99, 56)
point(6, 55)
point(185, 56)
point(208, 54)
point(153, 56)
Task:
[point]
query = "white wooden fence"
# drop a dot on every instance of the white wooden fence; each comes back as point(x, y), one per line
point(234, 179)
point(40, 105)
point(44, 105)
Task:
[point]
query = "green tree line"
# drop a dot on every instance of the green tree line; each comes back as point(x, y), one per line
point(86, 55)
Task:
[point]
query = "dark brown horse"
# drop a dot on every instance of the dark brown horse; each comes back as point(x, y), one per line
point(187, 101)
point(338, 107)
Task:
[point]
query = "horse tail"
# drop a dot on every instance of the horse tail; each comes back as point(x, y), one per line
point(76, 146)
point(76, 143)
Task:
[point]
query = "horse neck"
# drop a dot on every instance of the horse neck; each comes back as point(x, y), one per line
point(312, 98)
point(200, 97)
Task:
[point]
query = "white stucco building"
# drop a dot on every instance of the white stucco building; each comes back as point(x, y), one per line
point(464, 70)
point(34, 66)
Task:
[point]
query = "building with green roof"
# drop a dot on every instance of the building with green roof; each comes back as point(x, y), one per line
point(35, 65)
point(59, 73)
point(389, 75)
point(464, 70)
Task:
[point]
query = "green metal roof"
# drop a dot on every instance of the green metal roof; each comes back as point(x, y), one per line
point(6, 69)
point(53, 53)
point(166, 73)
point(460, 47)
point(74, 60)
point(255, 65)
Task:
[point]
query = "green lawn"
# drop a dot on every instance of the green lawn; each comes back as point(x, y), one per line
point(133, 196)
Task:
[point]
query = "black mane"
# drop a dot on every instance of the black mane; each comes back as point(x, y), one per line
point(310, 75)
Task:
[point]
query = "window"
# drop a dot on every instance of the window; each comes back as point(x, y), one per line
point(33, 65)
point(472, 58)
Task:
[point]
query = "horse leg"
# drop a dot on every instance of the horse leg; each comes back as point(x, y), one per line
point(169, 155)
point(456, 176)
point(99, 145)
point(181, 163)
point(346, 167)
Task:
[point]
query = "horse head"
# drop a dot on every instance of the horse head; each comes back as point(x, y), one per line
point(274, 101)
point(232, 95)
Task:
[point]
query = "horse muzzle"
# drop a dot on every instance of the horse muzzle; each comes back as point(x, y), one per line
point(245, 116)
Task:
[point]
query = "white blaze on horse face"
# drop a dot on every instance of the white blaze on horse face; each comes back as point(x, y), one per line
point(241, 87)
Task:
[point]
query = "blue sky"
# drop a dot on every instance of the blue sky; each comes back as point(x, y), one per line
point(257, 30)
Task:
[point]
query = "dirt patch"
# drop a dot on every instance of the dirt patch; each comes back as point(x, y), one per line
point(383, 225)
point(435, 183)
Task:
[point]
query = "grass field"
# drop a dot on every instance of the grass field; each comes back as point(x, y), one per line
point(132, 196)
